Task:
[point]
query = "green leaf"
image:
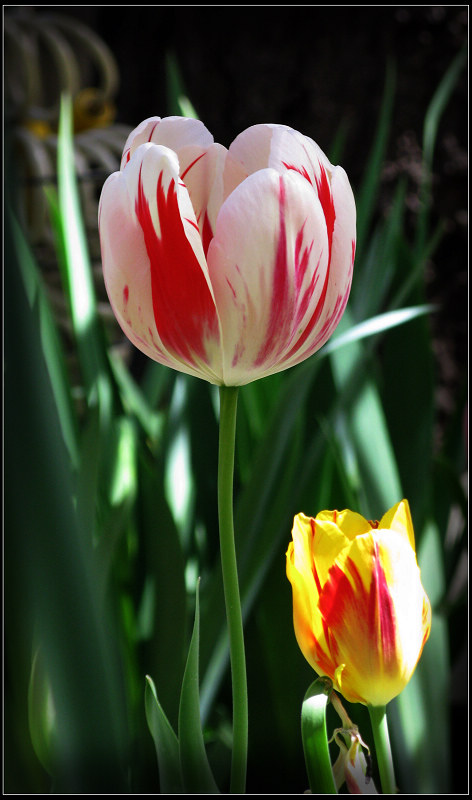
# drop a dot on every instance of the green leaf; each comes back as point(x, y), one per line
point(366, 429)
point(367, 196)
point(134, 400)
point(422, 736)
point(178, 100)
point(371, 285)
point(433, 116)
point(50, 341)
point(438, 104)
point(315, 739)
point(165, 741)
point(41, 714)
point(79, 283)
point(424, 703)
point(163, 616)
point(51, 587)
point(376, 325)
point(196, 770)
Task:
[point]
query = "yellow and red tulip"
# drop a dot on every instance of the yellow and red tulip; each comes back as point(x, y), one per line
point(228, 264)
point(361, 615)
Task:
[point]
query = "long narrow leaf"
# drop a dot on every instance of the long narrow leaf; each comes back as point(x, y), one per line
point(375, 325)
point(50, 342)
point(433, 116)
point(369, 431)
point(196, 770)
point(51, 575)
point(81, 293)
point(165, 741)
point(367, 195)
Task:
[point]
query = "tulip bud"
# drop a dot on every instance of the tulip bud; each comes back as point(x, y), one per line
point(361, 615)
point(229, 265)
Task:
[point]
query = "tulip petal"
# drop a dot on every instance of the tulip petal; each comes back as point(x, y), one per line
point(172, 132)
point(210, 175)
point(305, 600)
point(343, 250)
point(155, 211)
point(283, 148)
point(126, 264)
point(267, 263)
point(280, 147)
point(399, 519)
point(350, 523)
point(370, 605)
point(309, 558)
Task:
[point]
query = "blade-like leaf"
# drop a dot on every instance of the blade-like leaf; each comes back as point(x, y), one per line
point(163, 618)
point(50, 342)
point(367, 195)
point(376, 325)
point(79, 284)
point(368, 432)
point(51, 585)
point(196, 770)
point(177, 97)
point(134, 400)
point(433, 116)
point(165, 741)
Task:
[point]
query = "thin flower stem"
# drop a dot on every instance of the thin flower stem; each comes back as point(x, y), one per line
point(228, 406)
point(378, 719)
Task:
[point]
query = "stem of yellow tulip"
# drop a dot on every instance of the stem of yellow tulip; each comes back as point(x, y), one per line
point(228, 406)
point(378, 719)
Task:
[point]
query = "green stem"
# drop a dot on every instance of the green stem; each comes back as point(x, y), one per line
point(228, 406)
point(378, 719)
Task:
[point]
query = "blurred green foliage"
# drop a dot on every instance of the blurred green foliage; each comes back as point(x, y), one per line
point(111, 516)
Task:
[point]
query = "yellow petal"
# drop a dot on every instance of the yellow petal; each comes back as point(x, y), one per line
point(307, 558)
point(328, 541)
point(399, 519)
point(350, 523)
point(304, 590)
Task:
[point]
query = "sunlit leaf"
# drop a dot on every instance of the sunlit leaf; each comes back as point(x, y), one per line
point(315, 739)
point(376, 325)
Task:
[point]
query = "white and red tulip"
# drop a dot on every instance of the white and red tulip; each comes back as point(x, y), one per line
point(229, 265)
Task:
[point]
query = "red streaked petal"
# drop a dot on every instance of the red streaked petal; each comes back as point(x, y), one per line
point(154, 266)
point(279, 147)
point(184, 309)
point(372, 603)
point(126, 270)
point(349, 611)
point(267, 262)
point(340, 214)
